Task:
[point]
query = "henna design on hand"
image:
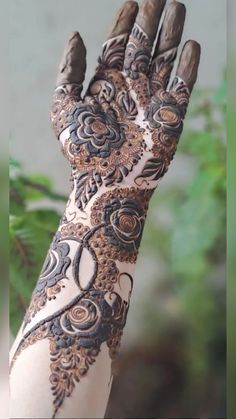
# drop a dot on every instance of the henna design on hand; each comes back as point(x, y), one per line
point(113, 53)
point(119, 139)
point(167, 46)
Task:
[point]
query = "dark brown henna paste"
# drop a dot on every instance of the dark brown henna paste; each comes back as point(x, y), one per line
point(75, 337)
point(50, 281)
point(113, 53)
point(167, 45)
point(64, 103)
point(138, 53)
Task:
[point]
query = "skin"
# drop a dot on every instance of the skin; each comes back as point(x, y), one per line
point(119, 138)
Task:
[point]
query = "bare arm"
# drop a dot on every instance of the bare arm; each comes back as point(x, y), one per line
point(119, 139)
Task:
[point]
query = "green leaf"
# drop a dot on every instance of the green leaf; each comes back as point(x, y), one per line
point(197, 226)
point(35, 186)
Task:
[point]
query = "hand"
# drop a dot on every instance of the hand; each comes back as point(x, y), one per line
point(125, 130)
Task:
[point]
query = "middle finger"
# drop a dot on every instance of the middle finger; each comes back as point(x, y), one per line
point(139, 47)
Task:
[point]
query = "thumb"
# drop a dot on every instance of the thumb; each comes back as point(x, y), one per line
point(69, 83)
point(73, 63)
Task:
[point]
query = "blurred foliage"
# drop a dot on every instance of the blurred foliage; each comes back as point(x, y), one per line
point(31, 230)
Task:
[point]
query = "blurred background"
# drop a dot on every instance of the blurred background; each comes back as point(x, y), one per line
point(172, 362)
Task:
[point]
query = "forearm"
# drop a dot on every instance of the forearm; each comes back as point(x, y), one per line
point(79, 307)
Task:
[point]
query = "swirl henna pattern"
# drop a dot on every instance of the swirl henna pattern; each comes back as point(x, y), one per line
point(98, 314)
point(119, 140)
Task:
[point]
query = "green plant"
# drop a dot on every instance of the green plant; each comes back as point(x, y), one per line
point(31, 231)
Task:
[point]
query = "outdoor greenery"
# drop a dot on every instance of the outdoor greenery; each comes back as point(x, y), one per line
point(31, 231)
point(190, 292)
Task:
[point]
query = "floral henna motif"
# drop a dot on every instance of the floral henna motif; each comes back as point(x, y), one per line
point(165, 115)
point(75, 336)
point(164, 112)
point(98, 130)
point(120, 210)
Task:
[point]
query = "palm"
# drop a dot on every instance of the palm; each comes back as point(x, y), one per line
point(126, 128)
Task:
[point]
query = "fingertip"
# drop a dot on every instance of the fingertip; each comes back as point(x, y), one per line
point(172, 27)
point(179, 5)
point(149, 16)
point(131, 4)
point(73, 63)
point(193, 45)
point(77, 42)
point(124, 19)
point(189, 63)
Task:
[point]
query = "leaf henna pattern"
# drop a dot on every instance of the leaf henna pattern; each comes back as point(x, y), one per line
point(113, 53)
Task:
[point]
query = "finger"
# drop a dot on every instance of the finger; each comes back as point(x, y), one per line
point(73, 63)
point(186, 74)
point(188, 64)
point(69, 82)
point(114, 48)
point(167, 45)
point(139, 47)
point(149, 17)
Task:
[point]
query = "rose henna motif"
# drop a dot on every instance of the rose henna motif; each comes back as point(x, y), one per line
point(98, 130)
point(124, 223)
point(75, 338)
point(119, 140)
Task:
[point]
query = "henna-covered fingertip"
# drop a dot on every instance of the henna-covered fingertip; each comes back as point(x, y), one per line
point(73, 63)
point(189, 63)
point(172, 28)
point(124, 19)
point(167, 45)
point(149, 16)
